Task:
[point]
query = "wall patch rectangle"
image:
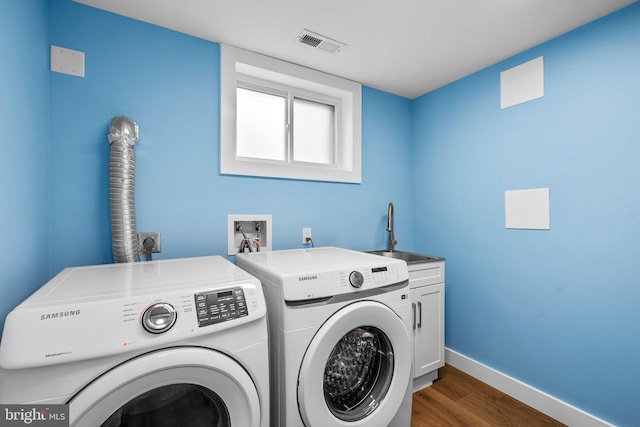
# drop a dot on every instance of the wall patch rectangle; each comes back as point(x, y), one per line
point(522, 83)
point(67, 61)
point(528, 209)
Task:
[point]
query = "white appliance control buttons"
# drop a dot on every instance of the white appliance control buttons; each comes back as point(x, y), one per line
point(379, 274)
point(221, 306)
point(159, 318)
point(356, 279)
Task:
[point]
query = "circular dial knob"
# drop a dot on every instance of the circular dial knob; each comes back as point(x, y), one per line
point(356, 279)
point(159, 318)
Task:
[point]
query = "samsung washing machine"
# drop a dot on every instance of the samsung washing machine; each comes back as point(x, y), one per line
point(340, 326)
point(162, 343)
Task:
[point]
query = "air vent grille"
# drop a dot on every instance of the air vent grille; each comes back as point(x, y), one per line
point(320, 42)
point(310, 40)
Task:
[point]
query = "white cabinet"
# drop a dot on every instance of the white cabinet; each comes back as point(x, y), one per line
point(426, 282)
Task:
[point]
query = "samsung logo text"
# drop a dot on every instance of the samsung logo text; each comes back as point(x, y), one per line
point(60, 314)
point(303, 278)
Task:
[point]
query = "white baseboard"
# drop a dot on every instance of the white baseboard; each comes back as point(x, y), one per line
point(543, 402)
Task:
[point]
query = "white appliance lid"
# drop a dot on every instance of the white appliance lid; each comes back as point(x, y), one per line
point(110, 281)
point(315, 260)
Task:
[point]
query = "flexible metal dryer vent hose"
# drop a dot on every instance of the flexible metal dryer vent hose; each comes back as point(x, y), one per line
point(123, 134)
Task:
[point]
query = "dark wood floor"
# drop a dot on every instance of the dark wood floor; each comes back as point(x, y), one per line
point(457, 399)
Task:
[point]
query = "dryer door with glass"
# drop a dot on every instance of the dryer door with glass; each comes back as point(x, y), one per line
point(356, 369)
point(179, 386)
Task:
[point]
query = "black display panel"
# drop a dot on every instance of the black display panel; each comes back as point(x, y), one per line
point(220, 306)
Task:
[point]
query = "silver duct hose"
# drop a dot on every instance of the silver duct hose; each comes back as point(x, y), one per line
point(123, 134)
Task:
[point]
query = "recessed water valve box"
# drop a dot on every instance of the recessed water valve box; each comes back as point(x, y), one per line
point(248, 233)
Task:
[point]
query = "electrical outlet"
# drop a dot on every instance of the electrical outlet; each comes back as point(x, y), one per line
point(156, 236)
point(306, 236)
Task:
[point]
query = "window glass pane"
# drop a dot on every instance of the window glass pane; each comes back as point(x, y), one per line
point(313, 130)
point(173, 405)
point(261, 119)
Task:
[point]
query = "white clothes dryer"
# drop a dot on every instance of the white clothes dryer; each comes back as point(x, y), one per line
point(163, 343)
point(340, 329)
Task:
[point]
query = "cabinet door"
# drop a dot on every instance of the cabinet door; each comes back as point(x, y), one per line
point(429, 331)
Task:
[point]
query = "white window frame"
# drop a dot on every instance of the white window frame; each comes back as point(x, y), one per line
point(238, 65)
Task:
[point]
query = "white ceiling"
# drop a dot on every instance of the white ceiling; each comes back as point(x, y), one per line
point(406, 47)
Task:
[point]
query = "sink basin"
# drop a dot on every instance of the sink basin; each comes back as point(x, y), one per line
point(408, 257)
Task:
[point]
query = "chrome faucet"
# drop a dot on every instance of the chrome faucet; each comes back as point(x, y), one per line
point(392, 239)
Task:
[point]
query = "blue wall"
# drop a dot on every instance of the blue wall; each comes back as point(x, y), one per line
point(557, 309)
point(24, 141)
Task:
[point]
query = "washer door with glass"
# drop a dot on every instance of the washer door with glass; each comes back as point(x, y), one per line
point(357, 368)
point(185, 386)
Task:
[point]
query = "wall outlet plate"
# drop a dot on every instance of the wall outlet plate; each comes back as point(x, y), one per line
point(157, 242)
point(306, 234)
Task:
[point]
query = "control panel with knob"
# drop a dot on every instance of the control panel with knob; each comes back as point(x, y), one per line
point(159, 318)
point(356, 279)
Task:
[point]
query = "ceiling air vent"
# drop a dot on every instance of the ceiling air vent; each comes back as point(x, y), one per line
point(318, 41)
